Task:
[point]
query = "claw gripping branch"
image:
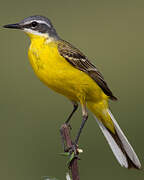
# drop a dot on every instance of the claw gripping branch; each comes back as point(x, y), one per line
point(73, 161)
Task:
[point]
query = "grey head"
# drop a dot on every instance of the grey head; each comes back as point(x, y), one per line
point(37, 24)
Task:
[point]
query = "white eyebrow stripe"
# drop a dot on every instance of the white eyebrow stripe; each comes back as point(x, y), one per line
point(39, 21)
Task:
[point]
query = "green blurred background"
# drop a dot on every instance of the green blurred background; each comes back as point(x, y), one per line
point(111, 34)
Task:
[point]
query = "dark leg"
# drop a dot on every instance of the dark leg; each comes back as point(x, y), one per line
point(73, 150)
point(84, 119)
point(75, 106)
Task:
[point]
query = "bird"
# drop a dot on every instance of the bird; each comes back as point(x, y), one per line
point(66, 70)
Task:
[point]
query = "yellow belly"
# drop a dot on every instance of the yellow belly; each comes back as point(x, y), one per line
point(60, 75)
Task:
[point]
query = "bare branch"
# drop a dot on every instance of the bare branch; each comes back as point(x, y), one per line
point(65, 133)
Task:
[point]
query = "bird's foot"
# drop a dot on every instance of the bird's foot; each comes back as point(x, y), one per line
point(73, 153)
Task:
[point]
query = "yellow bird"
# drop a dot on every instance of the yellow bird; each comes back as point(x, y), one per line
point(66, 70)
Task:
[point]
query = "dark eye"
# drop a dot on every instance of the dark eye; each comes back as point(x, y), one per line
point(34, 24)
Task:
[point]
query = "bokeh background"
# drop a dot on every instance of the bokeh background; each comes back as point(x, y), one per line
point(111, 34)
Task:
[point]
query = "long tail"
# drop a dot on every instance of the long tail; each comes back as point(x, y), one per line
point(118, 143)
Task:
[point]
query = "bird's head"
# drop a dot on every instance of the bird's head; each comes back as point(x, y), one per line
point(36, 26)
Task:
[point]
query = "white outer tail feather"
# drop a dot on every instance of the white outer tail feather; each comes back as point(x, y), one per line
point(120, 156)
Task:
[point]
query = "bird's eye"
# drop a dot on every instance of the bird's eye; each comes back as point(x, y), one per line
point(34, 24)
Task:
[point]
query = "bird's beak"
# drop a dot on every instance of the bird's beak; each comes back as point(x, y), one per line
point(13, 26)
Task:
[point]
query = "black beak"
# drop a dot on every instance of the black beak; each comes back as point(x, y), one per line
point(13, 26)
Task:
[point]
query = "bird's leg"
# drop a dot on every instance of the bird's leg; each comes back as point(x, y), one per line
point(84, 119)
point(75, 107)
point(74, 151)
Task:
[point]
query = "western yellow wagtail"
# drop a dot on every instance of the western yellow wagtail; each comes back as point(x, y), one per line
point(66, 70)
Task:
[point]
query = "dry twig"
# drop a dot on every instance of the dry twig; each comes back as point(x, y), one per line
point(65, 133)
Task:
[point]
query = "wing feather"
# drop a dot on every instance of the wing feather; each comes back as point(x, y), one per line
point(77, 59)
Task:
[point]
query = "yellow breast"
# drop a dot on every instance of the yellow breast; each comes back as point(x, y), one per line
point(60, 75)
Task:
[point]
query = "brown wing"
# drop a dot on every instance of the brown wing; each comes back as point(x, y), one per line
point(81, 62)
